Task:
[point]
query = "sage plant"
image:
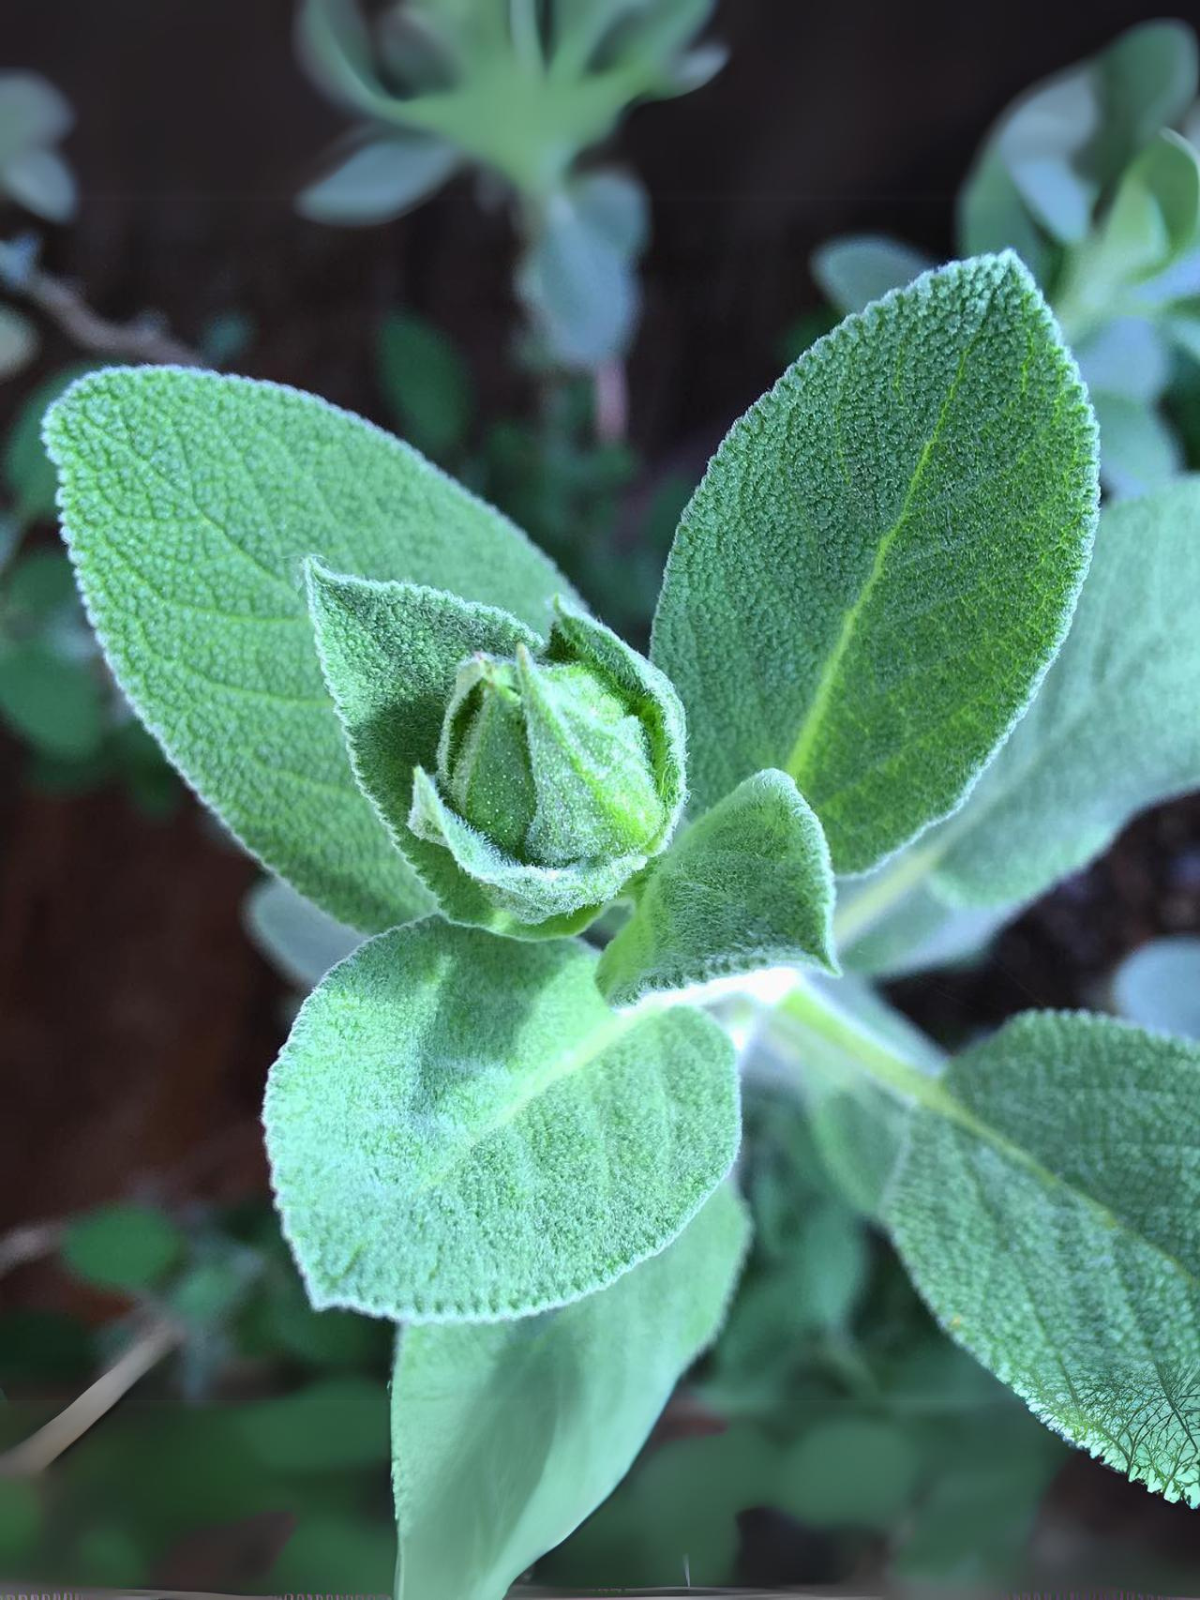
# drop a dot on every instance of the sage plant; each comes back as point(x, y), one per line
point(520, 1147)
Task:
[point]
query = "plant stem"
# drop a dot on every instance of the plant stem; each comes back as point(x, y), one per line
point(868, 905)
point(139, 340)
point(36, 1453)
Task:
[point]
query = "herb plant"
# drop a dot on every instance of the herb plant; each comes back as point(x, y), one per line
point(520, 93)
point(861, 689)
point(1093, 178)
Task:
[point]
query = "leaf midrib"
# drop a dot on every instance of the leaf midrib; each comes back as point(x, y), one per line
point(810, 728)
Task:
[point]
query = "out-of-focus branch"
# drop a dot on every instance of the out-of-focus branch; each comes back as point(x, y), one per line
point(36, 1453)
point(143, 338)
point(28, 1243)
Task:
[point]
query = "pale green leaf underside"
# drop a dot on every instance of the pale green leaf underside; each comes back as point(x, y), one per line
point(189, 502)
point(460, 1129)
point(883, 557)
point(508, 1435)
point(1114, 727)
point(1047, 1209)
point(747, 886)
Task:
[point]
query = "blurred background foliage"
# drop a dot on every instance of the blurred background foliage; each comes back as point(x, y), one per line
point(440, 213)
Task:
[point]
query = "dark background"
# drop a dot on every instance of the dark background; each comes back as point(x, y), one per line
point(136, 1023)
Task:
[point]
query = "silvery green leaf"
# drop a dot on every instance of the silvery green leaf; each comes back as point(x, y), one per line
point(1154, 216)
point(991, 216)
point(507, 1435)
point(854, 270)
point(300, 939)
point(32, 112)
point(577, 277)
point(1158, 986)
point(918, 932)
point(189, 503)
point(883, 557)
point(379, 180)
point(1112, 729)
point(749, 885)
point(42, 182)
point(1041, 141)
point(18, 341)
point(1045, 1205)
point(461, 1130)
point(1139, 451)
point(1127, 357)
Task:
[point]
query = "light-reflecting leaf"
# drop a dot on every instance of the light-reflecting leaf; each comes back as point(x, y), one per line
point(508, 1435)
point(577, 277)
point(379, 180)
point(1158, 986)
point(18, 341)
point(42, 182)
point(1113, 728)
point(749, 885)
point(1046, 1206)
point(854, 270)
point(1139, 451)
point(460, 1129)
point(883, 557)
point(189, 504)
point(298, 937)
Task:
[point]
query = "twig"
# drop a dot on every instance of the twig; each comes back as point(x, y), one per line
point(36, 1453)
point(141, 339)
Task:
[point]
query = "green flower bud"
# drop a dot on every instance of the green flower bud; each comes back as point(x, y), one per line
point(547, 762)
point(558, 775)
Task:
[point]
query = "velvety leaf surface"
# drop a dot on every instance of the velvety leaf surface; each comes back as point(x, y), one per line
point(1046, 1207)
point(460, 1129)
point(747, 886)
point(1113, 728)
point(507, 1435)
point(390, 652)
point(883, 557)
point(189, 502)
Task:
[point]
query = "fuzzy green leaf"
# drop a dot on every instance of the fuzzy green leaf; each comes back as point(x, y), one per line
point(748, 886)
point(1046, 1206)
point(883, 558)
point(460, 1129)
point(507, 1436)
point(1113, 728)
point(189, 502)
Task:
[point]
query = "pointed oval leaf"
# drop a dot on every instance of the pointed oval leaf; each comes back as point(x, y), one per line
point(1113, 728)
point(1046, 1206)
point(883, 557)
point(747, 886)
point(859, 268)
point(508, 1435)
point(461, 1130)
point(189, 502)
point(379, 180)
